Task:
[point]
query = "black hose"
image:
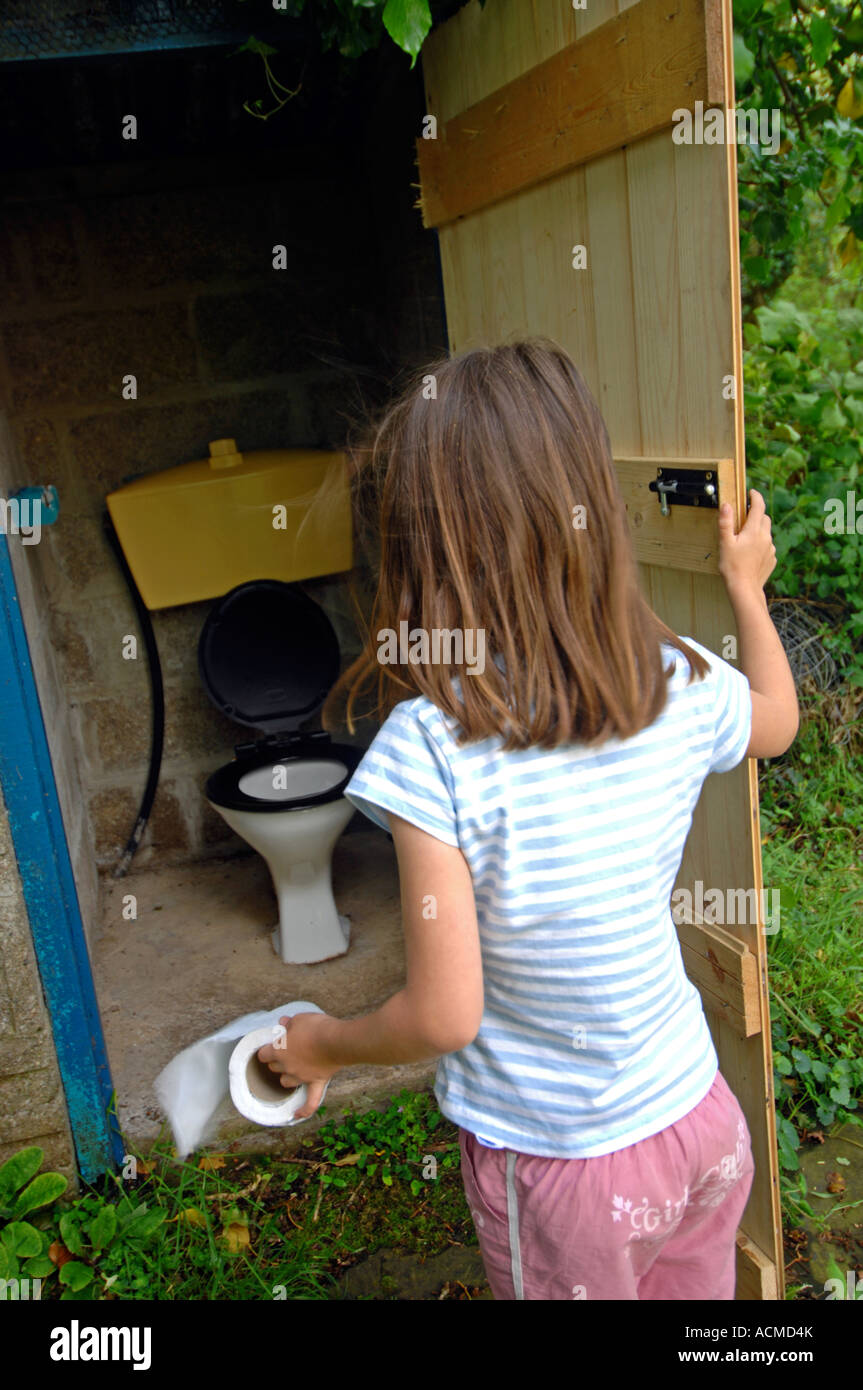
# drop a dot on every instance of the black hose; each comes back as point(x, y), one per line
point(158, 701)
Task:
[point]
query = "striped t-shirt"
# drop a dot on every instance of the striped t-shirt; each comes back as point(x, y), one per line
point(592, 1036)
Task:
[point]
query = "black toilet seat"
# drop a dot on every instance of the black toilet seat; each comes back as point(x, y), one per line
point(268, 656)
point(223, 787)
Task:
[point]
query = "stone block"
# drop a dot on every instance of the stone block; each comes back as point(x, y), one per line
point(109, 622)
point(258, 333)
point(112, 815)
point(167, 828)
point(21, 972)
point(70, 644)
point(110, 448)
point(28, 1118)
point(7, 1018)
point(84, 555)
point(193, 726)
point(28, 1091)
point(82, 358)
point(178, 631)
point(21, 1052)
point(16, 282)
point(335, 409)
point(39, 449)
point(146, 241)
point(10, 881)
point(117, 732)
point(48, 230)
point(47, 569)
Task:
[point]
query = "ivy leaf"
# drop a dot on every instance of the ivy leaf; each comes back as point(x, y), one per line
point(407, 22)
point(803, 1061)
point(821, 37)
point(253, 45)
point(838, 209)
point(744, 61)
point(757, 268)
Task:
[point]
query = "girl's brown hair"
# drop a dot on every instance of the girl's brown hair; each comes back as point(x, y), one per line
point(477, 470)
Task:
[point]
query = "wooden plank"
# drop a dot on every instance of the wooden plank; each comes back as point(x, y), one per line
point(725, 971)
point(686, 539)
point(617, 84)
point(653, 323)
point(757, 1279)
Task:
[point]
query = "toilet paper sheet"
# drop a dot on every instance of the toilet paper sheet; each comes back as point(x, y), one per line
point(194, 1085)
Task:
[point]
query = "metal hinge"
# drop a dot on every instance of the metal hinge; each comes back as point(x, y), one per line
point(284, 744)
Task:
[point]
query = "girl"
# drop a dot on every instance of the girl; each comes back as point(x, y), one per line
point(539, 803)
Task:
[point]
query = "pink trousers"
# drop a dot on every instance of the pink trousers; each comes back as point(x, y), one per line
point(657, 1220)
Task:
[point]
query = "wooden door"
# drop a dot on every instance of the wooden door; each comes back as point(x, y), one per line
point(554, 131)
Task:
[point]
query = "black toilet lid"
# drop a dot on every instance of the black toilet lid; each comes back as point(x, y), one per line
point(268, 655)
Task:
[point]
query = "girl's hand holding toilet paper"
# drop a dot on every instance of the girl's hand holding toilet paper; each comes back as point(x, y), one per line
point(296, 1057)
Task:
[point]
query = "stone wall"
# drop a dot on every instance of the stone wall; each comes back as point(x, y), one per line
point(32, 1102)
point(162, 268)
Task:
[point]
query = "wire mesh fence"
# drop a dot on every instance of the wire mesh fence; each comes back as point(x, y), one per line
point(40, 29)
point(800, 624)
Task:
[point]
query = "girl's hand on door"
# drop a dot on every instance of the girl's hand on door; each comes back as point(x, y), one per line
point(746, 560)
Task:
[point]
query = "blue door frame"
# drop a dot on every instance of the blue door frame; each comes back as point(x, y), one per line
point(39, 838)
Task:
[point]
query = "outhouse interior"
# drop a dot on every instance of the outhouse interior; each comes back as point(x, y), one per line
point(153, 258)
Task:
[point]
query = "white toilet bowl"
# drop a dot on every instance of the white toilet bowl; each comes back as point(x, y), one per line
point(268, 655)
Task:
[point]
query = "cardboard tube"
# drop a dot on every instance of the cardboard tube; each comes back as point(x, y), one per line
point(258, 1092)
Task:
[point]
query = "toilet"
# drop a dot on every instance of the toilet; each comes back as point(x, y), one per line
point(267, 657)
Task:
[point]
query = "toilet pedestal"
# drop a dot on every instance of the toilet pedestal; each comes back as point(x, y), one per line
point(298, 847)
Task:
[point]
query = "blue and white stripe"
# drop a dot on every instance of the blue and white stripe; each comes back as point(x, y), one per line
point(573, 853)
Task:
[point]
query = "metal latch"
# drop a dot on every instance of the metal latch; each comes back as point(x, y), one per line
point(685, 487)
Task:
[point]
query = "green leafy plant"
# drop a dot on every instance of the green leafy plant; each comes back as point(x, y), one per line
point(393, 1144)
point(803, 60)
point(352, 27)
point(107, 1241)
point(803, 375)
point(816, 1082)
point(23, 1191)
point(94, 1247)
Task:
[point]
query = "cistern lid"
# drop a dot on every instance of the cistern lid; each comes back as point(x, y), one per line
point(268, 655)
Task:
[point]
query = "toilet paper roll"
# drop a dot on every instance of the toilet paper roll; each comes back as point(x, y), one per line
point(256, 1091)
point(193, 1089)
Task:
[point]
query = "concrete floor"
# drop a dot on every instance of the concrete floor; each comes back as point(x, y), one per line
point(199, 955)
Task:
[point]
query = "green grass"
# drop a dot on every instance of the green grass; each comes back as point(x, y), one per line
point(812, 850)
point(240, 1228)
